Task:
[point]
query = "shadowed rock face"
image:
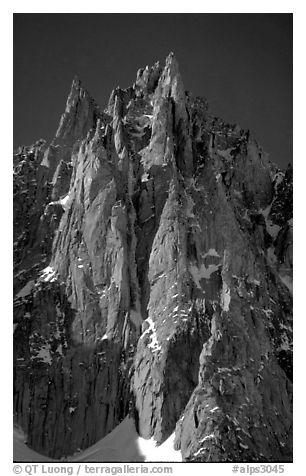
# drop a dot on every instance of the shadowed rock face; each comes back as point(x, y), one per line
point(153, 276)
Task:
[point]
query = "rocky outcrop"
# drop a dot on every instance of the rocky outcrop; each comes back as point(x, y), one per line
point(153, 276)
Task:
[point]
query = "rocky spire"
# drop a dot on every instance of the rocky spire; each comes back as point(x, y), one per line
point(80, 115)
point(147, 79)
point(170, 87)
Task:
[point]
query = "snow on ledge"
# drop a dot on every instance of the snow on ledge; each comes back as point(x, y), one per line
point(63, 201)
point(211, 252)
point(154, 345)
point(48, 275)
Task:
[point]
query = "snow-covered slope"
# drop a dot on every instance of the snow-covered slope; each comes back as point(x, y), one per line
point(21, 452)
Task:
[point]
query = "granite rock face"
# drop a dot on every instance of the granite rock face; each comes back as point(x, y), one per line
point(153, 276)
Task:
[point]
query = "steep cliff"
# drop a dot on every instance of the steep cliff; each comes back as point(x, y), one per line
point(153, 277)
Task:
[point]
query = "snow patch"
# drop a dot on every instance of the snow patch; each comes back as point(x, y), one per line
point(26, 290)
point(238, 193)
point(265, 212)
point(287, 281)
point(154, 345)
point(267, 312)
point(208, 437)
point(224, 369)
point(60, 349)
point(226, 154)
point(271, 228)
point(63, 201)
point(192, 183)
point(284, 327)
point(225, 297)
point(199, 451)
point(44, 354)
point(145, 177)
point(278, 178)
point(211, 252)
point(48, 274)
point(245, 447)
point(285, 345)
point(189, 207)
point(202, 272)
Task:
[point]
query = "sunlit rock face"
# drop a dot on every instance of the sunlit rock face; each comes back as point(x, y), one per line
point(153, 277)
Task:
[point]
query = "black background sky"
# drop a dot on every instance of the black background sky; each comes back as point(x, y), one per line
point(242, 63)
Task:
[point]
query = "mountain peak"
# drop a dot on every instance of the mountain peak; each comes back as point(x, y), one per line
point(171, 59)
point(79, 115)
point(76, 82)
point(153, 258)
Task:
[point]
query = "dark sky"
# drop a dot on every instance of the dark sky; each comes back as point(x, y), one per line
point(242, 63)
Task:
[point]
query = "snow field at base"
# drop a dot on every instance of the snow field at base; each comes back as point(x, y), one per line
point(21, 452)
point(123, 444)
